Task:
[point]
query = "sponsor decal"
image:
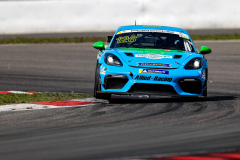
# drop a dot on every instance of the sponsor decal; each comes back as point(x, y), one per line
point(182, 35)
point(152, 56)
point(177, 62)
point(156, 78)
point(154, 64)
point(153, 71)
point(100, 54)
point(142, 77)
point(144, 30)
point(103, 70)
point(126, 39)
point(130, 60)
point(202, 74)
point(125, 31)
point(131, 74)
point(172, 32)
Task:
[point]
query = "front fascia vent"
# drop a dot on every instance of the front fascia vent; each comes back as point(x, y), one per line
point(191, 85)
point(115, 81)
point(177, 56)
point(129, 54)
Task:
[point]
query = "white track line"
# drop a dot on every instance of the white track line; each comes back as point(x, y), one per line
point(19, 92)
point(28, 106)
point(20, 107)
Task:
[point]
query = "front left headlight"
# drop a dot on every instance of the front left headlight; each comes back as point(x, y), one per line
point(112, 59)
point(195, 63)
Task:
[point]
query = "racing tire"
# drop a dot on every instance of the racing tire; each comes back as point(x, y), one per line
point(97, 85)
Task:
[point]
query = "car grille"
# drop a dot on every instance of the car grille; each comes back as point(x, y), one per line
point(151, 67)
point(158, 89)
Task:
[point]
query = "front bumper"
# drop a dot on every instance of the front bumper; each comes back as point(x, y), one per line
point(130, 80)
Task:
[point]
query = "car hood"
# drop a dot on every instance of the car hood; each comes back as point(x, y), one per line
point(153, 58)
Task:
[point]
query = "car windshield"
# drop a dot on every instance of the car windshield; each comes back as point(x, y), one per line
point(154, 40)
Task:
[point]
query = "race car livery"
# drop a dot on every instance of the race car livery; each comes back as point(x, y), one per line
point(151, 60)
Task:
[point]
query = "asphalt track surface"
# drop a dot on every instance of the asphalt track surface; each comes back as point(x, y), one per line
point(126, 128)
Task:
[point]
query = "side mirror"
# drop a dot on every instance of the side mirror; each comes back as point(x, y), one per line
point(205, 50)
point(99, 46)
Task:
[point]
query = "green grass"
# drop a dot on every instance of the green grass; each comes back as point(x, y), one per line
point(216, 37)
point(26, 98)
point(96, 39)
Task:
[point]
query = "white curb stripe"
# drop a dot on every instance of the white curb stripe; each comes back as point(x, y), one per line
point(19, 92)
point(19, 107)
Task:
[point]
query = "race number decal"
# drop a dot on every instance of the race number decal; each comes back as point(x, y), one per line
point(126, 39)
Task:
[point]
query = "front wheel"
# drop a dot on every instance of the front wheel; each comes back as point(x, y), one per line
point(97, 85)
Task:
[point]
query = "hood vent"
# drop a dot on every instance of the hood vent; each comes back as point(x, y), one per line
point(129, 54)
point(177, 56)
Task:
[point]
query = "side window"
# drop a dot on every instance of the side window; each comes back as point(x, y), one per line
point(188, 46)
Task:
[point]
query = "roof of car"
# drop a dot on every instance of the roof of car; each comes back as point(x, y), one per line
point(156, 27)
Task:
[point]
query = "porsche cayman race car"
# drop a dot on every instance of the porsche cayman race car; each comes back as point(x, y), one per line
point(151, 60)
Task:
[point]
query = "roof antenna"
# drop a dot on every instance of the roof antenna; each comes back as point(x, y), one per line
point(135, 22)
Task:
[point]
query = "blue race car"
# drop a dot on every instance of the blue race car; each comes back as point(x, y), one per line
point(151, 60)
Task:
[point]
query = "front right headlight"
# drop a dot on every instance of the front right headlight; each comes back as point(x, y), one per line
point(195, 63)
point(112, 59)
